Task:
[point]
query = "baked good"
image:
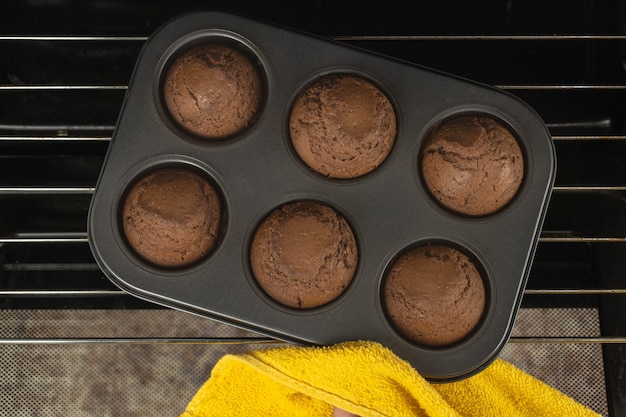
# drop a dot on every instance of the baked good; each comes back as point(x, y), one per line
point(304, 254)
point(472, 165)
point(342, 126)
point(213, 91)
point(171, 217)
point(434, 295)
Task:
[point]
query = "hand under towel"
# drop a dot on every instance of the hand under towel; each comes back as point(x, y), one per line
point(369, 380)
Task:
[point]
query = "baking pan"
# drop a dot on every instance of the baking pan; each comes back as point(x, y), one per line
point(257, 171)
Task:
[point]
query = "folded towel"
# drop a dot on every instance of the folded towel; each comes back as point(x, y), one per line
point(366, 379)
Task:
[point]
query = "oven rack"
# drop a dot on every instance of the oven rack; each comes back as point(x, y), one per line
point(581, 237)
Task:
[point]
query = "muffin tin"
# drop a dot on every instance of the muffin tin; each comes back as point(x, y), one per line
point(389, 209)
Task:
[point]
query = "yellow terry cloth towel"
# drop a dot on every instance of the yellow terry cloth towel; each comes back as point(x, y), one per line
point(366, 379)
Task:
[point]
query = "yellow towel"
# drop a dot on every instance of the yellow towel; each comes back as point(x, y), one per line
point(366, 379)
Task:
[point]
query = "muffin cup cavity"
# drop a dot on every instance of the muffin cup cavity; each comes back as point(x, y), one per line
point(171, 216)
point(212, 87)
point(435, 294)
point(342, 125)
point(304, 254)
point(472, 164)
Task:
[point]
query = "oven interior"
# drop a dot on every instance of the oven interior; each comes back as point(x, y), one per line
point(72, 343)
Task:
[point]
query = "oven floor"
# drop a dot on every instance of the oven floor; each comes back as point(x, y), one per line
point(148, 379)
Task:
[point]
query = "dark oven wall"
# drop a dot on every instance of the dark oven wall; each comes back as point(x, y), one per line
point(70, 341)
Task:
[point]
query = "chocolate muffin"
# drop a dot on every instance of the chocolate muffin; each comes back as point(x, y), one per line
point(172, 217)
point(472, 165)
point(342, 126)
point(434, 295)
point(213, 91)
point(304, 254)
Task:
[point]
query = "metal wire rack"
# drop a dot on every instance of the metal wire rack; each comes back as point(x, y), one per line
point(73, 343)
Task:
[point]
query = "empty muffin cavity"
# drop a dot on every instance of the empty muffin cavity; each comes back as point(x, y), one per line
point(304, 254)
point(171, 217)
point(213, 90)
point(434, 295)
point(342, 126)
point(472, 164)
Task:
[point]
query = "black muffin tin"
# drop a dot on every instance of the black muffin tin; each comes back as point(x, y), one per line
point(389, 209)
